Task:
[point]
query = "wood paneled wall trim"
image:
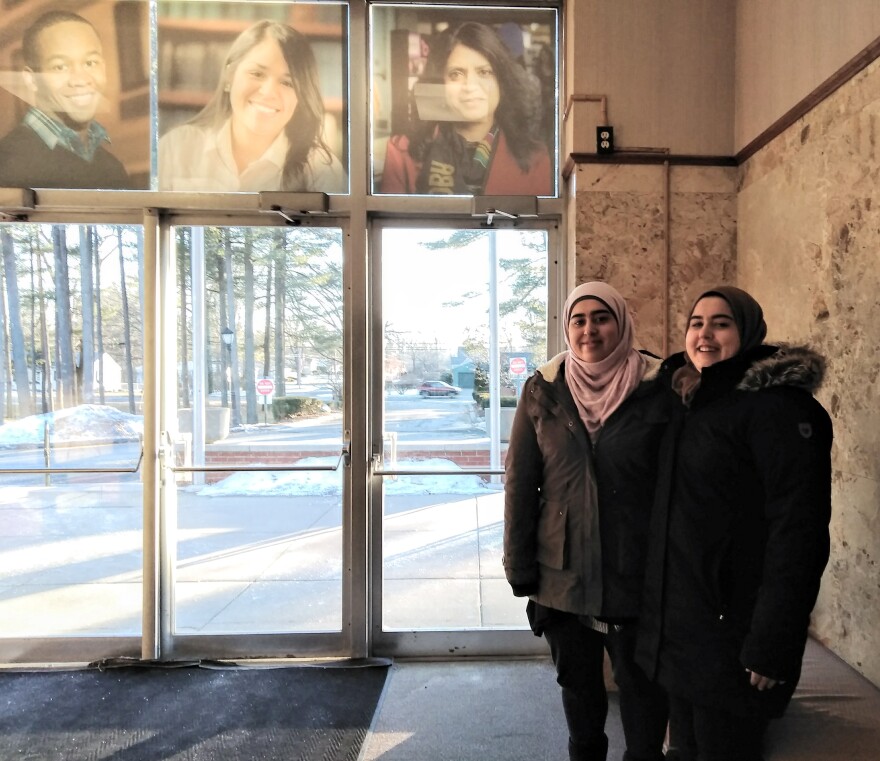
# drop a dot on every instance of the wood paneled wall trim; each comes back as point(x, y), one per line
point(840, 77)
point(644, 158)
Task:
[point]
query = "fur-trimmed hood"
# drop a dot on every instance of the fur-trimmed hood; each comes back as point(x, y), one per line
point(798, 366)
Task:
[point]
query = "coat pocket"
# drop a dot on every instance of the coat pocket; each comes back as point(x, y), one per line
point(552, 545)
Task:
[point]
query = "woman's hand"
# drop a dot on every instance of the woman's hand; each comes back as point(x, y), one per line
point(762, 682)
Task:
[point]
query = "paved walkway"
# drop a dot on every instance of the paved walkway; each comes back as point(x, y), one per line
point(71, 562)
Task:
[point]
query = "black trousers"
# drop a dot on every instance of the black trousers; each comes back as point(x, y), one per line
point(710, 734)
point(578, 653)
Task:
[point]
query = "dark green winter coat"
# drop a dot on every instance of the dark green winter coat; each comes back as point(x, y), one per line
point(576, 513)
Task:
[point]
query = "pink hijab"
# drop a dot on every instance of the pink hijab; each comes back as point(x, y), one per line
point(599, 388)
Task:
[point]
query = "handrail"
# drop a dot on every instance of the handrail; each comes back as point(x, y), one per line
point(460, 472)
point(53, 471)
point(256, 468)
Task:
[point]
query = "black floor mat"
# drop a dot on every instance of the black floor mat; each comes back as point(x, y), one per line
point(305, 713)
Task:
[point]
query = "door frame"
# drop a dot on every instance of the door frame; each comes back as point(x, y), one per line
point(445, 643)
point(164, 644)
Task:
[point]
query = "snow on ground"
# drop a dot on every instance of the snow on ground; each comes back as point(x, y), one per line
point(92, 422)
point(329, 483)
point(87, 422)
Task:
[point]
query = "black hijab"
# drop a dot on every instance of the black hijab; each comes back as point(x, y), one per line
point(749, 319)
point(747, 314)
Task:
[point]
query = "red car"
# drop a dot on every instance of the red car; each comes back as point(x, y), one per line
point(438, 388)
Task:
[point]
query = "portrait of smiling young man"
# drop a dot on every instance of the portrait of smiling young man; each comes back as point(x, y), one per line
point(60, 143)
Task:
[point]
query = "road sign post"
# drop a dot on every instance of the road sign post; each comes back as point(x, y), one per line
point(265, 387)
point(518, 369)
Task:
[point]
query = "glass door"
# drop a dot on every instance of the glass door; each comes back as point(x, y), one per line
point(71, 441)
point(256, 533)
point(461, 319)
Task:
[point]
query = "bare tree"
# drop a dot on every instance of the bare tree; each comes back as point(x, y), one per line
point(19, 358)
point(33, 258)
point(5, 387)
point(99, 322)
point(126, 322)
point(267, 326)
point(280, 236)
point(87, 350)
point(66, 385)
point(223, 323)
point(184, 245)
point(47, 374)
point(230, 322)
point(249, 364)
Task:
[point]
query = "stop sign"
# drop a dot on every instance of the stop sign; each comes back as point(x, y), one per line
point(265, 386)
point(518, 365)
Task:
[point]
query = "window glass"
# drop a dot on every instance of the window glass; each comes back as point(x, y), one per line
point(259, 386)
point(456, 356)
point(71, 427)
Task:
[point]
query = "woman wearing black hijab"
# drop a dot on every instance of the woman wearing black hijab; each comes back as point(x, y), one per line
point(739, 532)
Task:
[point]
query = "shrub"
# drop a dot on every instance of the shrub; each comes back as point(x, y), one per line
point(286, 407)
point(482, 400)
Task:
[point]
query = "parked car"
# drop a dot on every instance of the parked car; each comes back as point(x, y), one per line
point(438, 388)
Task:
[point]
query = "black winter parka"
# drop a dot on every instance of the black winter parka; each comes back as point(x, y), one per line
point(576, 514)
point(739, 532)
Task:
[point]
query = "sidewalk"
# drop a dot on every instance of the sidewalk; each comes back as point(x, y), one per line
point(71, 562)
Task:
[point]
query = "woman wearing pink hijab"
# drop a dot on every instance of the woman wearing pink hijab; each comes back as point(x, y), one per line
point(580, 474)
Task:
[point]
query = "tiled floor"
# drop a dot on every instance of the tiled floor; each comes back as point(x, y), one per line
point(511, 710)
point(483, 710)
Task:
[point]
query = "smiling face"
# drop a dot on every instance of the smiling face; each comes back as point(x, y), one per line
point(712, 335)
point(71, 77)
point(593, 332)
point(261, 93)
point(472, 89)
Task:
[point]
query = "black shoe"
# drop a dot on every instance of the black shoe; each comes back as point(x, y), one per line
point(595, 751)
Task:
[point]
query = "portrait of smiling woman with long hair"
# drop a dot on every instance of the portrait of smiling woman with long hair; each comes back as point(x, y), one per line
point(263, 126)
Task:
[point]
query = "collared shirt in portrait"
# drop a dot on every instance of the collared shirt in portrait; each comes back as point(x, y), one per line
point(196, 158)
point(54, 133)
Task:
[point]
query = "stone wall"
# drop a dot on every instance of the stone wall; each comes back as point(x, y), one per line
point(620, 237)
point(809, 250)
point(798, 226)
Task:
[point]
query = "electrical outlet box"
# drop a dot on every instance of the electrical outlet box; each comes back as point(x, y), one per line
point(605, 139)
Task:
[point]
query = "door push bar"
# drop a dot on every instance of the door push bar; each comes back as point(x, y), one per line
point(59, 471)
point(438, 472)
point(230, 468)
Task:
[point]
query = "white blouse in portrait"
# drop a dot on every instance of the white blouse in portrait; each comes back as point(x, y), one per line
point(197, 158)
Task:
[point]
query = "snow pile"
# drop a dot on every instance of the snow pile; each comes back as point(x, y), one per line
point(86, 423)
point(329, 483)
